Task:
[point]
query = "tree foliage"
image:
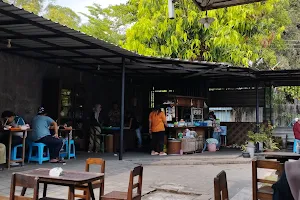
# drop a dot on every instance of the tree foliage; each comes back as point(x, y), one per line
point(109, 23)
point(35, 6)
point(238, 35)
point(56, 13)
point(62, 15)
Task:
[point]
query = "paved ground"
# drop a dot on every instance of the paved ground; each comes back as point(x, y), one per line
point(181, 178)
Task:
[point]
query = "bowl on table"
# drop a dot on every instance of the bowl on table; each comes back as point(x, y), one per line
point(23, 128)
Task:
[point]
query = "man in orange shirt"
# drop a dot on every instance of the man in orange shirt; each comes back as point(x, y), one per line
point(157, 123)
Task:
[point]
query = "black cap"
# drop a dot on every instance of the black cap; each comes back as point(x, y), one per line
point(41, 111)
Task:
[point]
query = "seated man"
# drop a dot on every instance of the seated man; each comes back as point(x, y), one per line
point(41, 134)
point(11, 119)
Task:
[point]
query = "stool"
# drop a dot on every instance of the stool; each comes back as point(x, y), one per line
point(295, 145)
point(102, 141)
point(174, 147)
point(14, 152)
point(64, 150)
point(39, 157)
point(109, 143)
point(72, 149)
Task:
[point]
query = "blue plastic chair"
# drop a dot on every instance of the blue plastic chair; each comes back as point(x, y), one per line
point(72, 153)
point(64, 151)
point(39, 155)
point(224, 134)
point(295, 145)
point(14, 152)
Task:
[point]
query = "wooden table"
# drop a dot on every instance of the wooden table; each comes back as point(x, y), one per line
point(10, 146)
point(282, 157)
point(200, 130)
point(69, 178)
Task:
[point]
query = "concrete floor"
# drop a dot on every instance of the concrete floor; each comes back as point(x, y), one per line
point(194, 179)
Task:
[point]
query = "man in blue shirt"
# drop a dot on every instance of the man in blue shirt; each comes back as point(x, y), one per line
point(41, 134)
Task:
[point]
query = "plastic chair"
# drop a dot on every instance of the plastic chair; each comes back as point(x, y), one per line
point(39, 155)
point(224, 134)
point(295, 145)
point(14, 152)
point(72, 153)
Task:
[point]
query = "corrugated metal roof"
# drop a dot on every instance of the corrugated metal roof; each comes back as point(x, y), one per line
point(38, 38)
point(216, 4)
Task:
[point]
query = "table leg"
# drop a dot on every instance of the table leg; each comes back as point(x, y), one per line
point(72, 193)
point(92, 191)
point(24, 147)
point(115, 139)
point(69, 146)
point(9, 149)
point(23, 191)
point(45, 190)
point(282, 160)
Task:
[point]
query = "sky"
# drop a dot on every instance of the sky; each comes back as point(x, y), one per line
point(80, 5)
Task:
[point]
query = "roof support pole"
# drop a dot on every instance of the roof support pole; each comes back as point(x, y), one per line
point(257, 107)
point(270, 103)
point(122, 109)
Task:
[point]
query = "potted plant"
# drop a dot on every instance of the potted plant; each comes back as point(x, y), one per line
point(253, 139)
point(270, 145)
point(245, 154)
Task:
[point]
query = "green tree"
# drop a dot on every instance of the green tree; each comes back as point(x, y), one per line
point(35, 6)
point(62, 15)
point(238, 35)
point(289, 57)
point(109, 23)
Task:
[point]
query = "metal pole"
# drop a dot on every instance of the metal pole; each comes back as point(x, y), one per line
point(122, 110)
point(257, 108)
point(271, 110)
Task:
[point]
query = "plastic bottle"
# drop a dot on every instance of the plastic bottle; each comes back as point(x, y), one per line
point(181, 152)
point(180, 135)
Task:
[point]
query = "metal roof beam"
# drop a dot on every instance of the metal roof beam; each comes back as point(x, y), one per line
point(212, 4)
point(55, 45)
point(45, 27)
point(11, 22)
point(30, 36)
point(70, 57)
point(51, 62)
point(49, 48)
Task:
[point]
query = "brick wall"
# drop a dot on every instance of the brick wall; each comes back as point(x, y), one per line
point(21, 84)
